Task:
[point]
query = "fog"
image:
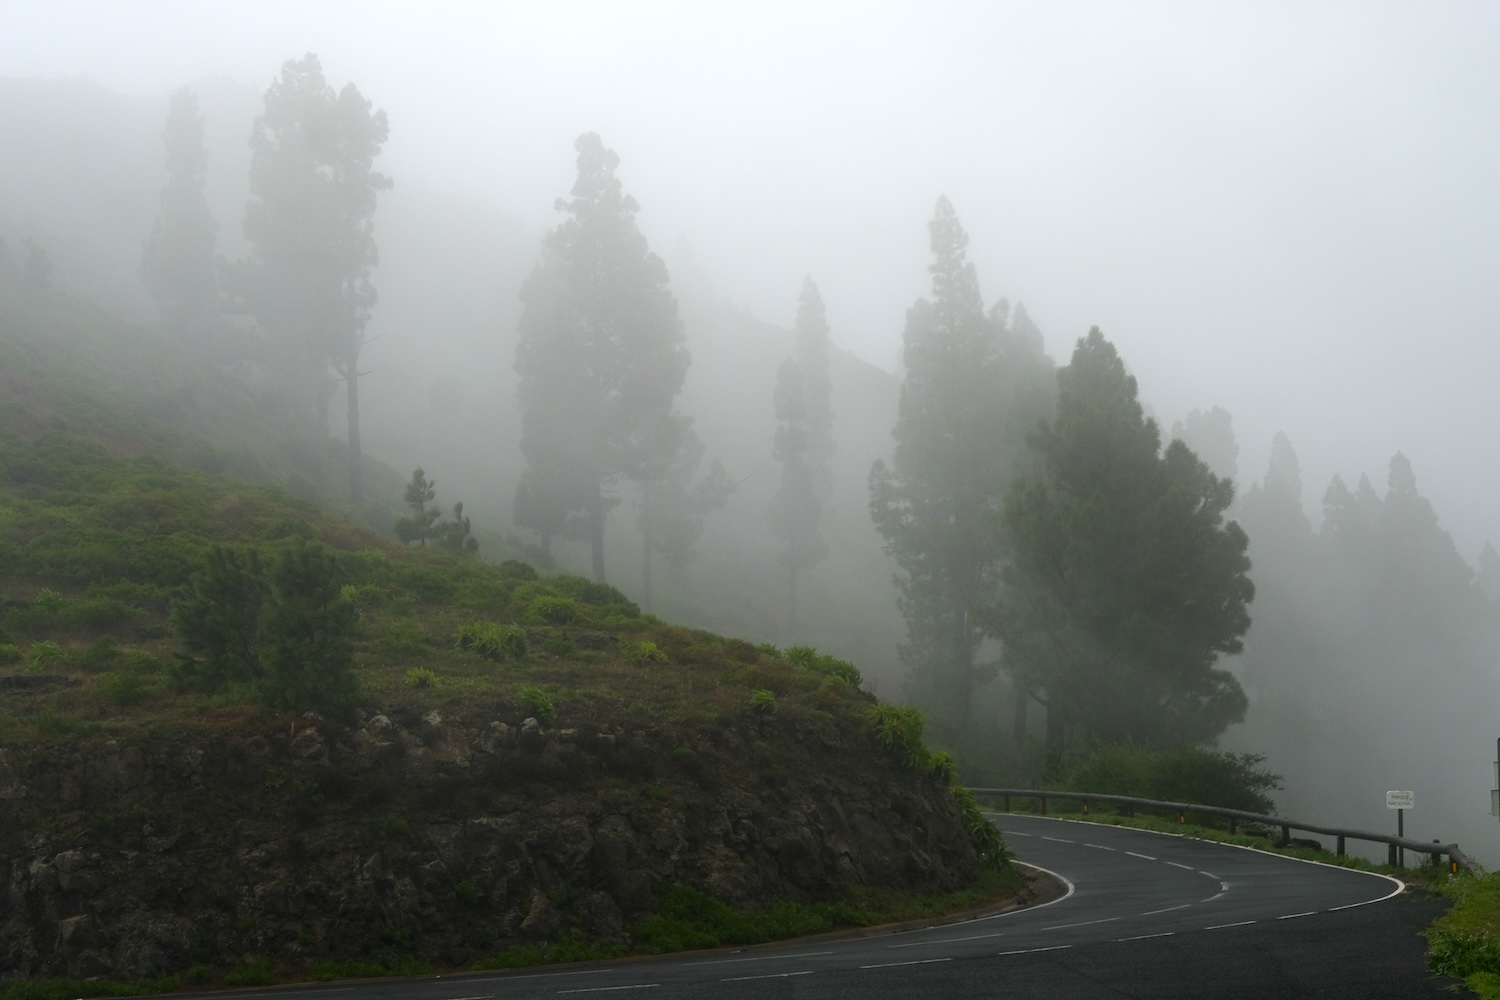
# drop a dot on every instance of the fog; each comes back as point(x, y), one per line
point(1288, 213)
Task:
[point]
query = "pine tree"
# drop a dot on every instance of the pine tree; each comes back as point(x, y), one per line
point(1126, 584)
point(310, 222)
point(600, 358)
point(817, 387)
point(974, 387)
point(796, 511)
point(421, 525)
point(673, 508)
point(177, 264)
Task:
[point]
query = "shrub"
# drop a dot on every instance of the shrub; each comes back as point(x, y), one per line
point(126, 687)
point(763, 701)
point(514, 569)
point(421, 677)
point(598, 594)
point(218, 620)
point(899, 728)
point(307, 632)
point(810, 659)
point(492, 640)
point(9, 653)
point(1178, 774)
point(45, 653)
point(554, 610)
point(534, 702)
point(644, 652)
point(101, 654)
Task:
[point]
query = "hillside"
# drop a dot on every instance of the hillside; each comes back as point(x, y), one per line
point(528, 768)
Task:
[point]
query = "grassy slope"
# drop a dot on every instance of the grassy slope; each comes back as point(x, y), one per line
point(122, 462)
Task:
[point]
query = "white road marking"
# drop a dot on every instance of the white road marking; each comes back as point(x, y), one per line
point(1294, 916)
point(1100, 847)
point(1223, 885)
point(1056, 840)
point(1210, 899)
point(1144, 937)
point(760, 958)
point(1032, 951)
point(606, 989)
point(768, 975)
point(920, 961)
point(1016, 833)
point(1209, 874)
point(1081, 923)
point(1219, 927)
point(949, 940)
point(1143, 857)
point(1188, 868)
point(1166, 909)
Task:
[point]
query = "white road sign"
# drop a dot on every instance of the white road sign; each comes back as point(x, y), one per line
point(1401, 800)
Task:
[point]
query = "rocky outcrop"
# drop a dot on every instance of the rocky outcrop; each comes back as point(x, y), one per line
point(408, 833)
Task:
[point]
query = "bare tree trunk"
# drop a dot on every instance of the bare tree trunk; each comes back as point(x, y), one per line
point(596, 537)
point(356, 473)
point(1018, 723)
point(648, 541)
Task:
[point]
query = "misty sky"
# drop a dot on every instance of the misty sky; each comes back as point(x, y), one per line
point(1288, 210)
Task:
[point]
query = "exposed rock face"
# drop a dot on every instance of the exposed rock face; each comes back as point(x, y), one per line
point(447, 838)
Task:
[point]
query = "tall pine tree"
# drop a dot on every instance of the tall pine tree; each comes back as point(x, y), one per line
point(600, 360)
point(310, 223)
point(177, 265)
point(673, 508)
point(817, 387)
point(974, 387)
point(796, 510)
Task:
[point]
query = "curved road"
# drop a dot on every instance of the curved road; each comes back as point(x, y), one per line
point(1140, 915)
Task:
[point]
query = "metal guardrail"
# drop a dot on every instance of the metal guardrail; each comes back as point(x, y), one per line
point(1456, 858)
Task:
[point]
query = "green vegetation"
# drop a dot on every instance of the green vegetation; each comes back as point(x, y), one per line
point(1465, 941)
point(492, 640)
point(1178, 774)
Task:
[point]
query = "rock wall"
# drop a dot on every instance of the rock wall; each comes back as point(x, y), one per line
point(448, 839)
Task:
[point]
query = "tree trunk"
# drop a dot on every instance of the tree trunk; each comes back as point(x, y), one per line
point(1054, 722)
point(791, 601)
point(648, 541)
point(356, 473)
point(596, 537)
point(1018, 724)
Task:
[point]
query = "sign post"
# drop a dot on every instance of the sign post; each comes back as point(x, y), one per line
point(1495, 784)
point(1401, 801)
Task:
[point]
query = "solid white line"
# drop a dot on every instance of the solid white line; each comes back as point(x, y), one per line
point(759, 958)
point(1144, 937)
point(768, 975)
point(1100, 847)
point(1219, 927)
point(893, 965)
point(1294, 916)
point(1168, 909)
point(1081, 923)
point(1210, 899)
point(1209, 874)
point(1144, 857)
point(995, 916)
point(607, 989)
point(1032, 951)
point(1184, 867)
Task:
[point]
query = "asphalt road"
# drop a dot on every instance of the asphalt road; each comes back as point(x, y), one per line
point(1138, 915)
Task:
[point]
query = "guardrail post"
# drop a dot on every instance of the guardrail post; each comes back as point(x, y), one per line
point(1286, 835)
point(1391, 855)
point(1341, 845)
point(1044, 804)
point(1006, 799)
point(1233, 825)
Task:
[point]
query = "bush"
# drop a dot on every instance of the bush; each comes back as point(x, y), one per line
point(218, 620)
point(1178, 774)
point(899, 728)
point(421, 677)
point(45, 653)
point(492, 640)
point(554, 610)
point(101, 654)
point(534, 702)
point(644, 652)
point(9, 653)
point(810, 659)
point(307, 632)
point(763, 701)
point(514, 569)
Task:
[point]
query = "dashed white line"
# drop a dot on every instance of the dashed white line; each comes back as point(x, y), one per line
point(1143, 857)
point(1144, 937)
point(1188, 868)
point(1209, 874)
point(1081, 923)
point(1099, 847)
point(893, 965)
point(1016, 833)
point(1294, 916)
point(1032, 951)
point(1166, 909)
point(1238, 923)
point(768, 975)
point(1056, 840)
point(607, 989)
point(761, 958)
